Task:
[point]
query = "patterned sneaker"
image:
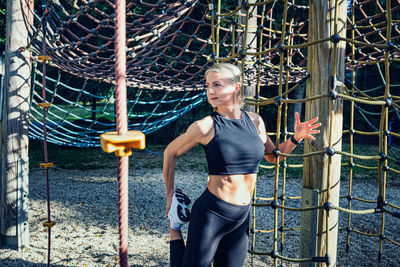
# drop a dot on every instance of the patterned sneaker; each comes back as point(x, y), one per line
point(179, 213)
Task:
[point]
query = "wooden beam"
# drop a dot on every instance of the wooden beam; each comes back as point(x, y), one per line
point(14, 229)
point(318, 172)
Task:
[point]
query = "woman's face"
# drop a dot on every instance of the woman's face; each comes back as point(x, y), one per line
point(220, 90)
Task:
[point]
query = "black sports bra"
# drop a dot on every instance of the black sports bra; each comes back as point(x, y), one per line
point(236, 147)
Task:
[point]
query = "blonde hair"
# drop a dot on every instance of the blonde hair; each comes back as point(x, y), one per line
point(231, 72)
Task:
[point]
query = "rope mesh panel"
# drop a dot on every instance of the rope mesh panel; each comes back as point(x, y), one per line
point(72, 123)
point(370, 48)
point(170, 45)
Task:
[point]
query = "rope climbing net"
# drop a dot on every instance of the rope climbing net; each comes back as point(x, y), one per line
point(166, 45)
point(77, 116)
point(166, 51)
point(276, 49)
point(170, 44)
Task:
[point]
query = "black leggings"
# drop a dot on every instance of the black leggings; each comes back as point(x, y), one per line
point(217, 230)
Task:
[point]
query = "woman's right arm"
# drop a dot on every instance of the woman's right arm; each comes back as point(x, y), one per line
point(193, 135)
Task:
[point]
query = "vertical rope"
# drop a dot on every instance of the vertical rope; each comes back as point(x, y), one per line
point(46, 158)
point(328, 185)
point(122, 126)
point(353, 77)
point(332, 113)
point(244, 40)
point(284, 171)
point(335, 31)
point(384, 125)
point(233, 29)
point(278, 129)
point(260, 48)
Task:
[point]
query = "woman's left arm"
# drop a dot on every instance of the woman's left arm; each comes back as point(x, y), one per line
point(302, 130)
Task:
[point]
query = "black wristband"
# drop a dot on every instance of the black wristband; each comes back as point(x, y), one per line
point(293, 140)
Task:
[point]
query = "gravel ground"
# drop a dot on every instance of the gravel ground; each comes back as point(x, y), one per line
point(83, 203)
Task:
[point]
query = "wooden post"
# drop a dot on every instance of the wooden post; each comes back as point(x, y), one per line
point(250, 45)
point(317, 174)
point(14, 230)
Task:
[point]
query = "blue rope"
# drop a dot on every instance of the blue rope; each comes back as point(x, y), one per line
point(62, 130)
point(152, 152)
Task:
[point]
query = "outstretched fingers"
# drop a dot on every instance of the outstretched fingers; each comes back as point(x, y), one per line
point(313, 121)
point(312, 126)
point(306, 129)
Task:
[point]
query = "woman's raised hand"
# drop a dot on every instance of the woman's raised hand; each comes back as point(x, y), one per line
point(303, 130)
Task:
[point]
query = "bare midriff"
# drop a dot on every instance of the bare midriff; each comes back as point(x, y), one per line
point(236, 189)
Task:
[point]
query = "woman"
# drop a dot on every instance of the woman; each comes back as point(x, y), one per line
point(235, 142)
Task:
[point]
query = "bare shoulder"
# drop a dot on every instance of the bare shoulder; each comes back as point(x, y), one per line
point(259, 123)
point(202, 127)
point(256, 118)
point(196, 133)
